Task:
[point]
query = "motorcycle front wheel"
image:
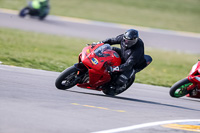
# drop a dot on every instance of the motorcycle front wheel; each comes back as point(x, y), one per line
point(67, 79)
point(24, 12)
point(179, 89)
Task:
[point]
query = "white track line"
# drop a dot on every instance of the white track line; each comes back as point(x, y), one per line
point(145, 125)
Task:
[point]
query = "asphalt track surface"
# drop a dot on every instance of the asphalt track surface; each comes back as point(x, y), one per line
point(29, 101)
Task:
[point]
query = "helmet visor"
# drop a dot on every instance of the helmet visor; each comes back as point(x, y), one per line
point(130, 43)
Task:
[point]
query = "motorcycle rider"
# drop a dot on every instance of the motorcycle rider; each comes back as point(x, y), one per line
point(42, 7)
point(38, 7)
point(132, 55)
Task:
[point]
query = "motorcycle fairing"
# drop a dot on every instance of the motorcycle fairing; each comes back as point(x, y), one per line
point(195, 68)
point(95, 80)
point(95, 58)
point(194, 77)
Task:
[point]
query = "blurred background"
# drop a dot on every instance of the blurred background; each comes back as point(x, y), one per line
point(182, 15)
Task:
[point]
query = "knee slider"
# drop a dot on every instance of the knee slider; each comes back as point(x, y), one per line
point(148, 59)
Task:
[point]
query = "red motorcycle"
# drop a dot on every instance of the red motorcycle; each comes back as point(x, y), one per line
point(189, 86)
point(91, 72)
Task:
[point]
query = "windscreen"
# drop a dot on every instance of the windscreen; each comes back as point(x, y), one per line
point(100, 50)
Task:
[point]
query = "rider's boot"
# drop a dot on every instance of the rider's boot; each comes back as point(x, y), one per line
point(121, 83)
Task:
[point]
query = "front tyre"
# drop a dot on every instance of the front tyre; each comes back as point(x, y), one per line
point(179, 89)
point(67, 79)
point(24, 12)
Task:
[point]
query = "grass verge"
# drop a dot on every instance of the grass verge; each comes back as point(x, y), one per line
point(55, 53)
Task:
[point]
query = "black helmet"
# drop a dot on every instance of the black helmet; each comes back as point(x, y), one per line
point(130, 37)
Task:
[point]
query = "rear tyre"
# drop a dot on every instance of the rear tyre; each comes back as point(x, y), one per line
point(179, 89)
point(43, 13)
point(67, 79)
point(42, 17)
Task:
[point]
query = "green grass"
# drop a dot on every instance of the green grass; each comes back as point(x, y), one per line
point(55, 53)
point(166, 68)
point(182, 15)
point(38, 51)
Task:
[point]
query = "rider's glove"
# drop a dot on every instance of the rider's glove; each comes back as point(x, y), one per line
point(92, 44)
point(95, 43)
point(113, 69)
point(106, 40)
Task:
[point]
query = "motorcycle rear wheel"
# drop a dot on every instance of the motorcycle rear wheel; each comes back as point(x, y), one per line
point(179, 89)
point(67, 78)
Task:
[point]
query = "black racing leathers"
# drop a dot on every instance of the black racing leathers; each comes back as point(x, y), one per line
point(132, 58)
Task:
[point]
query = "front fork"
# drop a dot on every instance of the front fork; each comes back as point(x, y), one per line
point(81, 70)
point(191, 87)
point(194, 90)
